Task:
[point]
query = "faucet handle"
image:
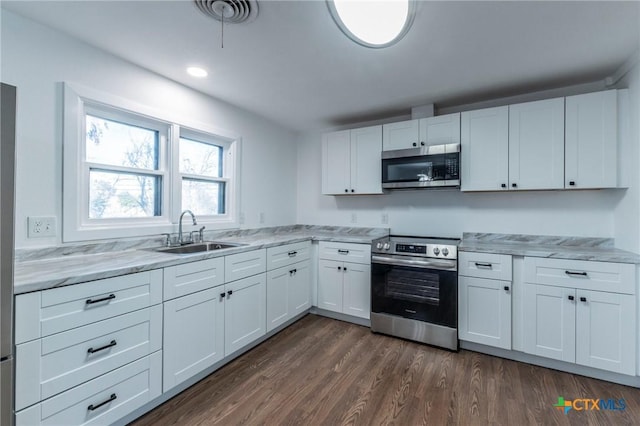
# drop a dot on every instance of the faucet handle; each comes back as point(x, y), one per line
point(167, 241)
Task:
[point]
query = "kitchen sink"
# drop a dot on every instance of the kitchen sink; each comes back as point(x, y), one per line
point(198, 247)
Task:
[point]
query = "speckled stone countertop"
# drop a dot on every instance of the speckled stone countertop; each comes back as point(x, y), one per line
point(40, 269)
point(576, 248)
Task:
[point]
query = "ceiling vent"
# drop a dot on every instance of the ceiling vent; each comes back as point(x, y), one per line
point(229, 11)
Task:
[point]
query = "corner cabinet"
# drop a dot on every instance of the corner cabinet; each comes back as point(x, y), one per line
point(582, 312)
point(344, 278)
point(484, 298)
point(351, 161)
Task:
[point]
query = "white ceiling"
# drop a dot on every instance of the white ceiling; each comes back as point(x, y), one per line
point(294, 66)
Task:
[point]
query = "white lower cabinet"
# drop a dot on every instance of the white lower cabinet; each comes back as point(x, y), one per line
point(344, 287)
point(244, 312)
point(575, 324)
point(193, 335)
point(103, 400)
point(288, 293)
point(484, 311)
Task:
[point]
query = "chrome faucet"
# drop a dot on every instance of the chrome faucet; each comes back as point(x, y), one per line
point(180, 224)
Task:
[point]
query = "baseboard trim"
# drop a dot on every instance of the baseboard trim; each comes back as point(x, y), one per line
point(341, 317)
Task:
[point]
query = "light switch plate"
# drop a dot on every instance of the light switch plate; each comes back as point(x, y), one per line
point(41, 226)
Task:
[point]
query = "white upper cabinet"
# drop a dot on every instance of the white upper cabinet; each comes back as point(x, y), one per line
point(484, 139)
point(591, 140)
point(438, 130)
point(536, 145)
point(441, 129)
point(351, 161)
point(401, 135)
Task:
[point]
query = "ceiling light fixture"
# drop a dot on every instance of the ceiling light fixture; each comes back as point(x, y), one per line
point(373, 23)
point(197, 72)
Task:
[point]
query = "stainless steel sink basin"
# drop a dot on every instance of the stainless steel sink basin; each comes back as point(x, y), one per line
point(198, 247)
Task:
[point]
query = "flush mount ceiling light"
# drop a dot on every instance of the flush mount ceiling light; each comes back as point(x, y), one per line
point(197, 72)
point(373, 23)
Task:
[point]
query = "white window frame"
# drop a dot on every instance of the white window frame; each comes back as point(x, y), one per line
point(77, 226)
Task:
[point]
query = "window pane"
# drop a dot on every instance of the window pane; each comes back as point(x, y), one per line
point(203, 198)
point(199, 158)
point(123, 195)
point(120, 144)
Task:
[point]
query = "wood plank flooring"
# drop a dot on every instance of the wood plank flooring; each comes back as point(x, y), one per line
point(321, 371)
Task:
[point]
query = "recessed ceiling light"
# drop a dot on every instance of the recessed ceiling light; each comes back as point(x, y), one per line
point(197, 72)
point(373, 23)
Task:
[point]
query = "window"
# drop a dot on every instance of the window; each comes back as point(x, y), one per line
point(131, 171)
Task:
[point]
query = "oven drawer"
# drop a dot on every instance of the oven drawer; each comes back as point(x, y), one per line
point(345, 252)
point(581, 274)
point(53, 364)
point(485, 265)
point(103, 400)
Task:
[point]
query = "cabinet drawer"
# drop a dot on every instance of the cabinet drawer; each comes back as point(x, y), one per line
point(485, 265)
point(581, 274)
point(347, 252)
point(244, 265)
point(288, 254)
point(51, 365)
point(43, 313)
point(188, 278)
point(125, 389)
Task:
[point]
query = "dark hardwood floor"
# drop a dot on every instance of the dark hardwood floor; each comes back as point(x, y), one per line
point(321, 371)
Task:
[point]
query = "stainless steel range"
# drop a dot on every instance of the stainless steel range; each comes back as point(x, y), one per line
point(414, 289)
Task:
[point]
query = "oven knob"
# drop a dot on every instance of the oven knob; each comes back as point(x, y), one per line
point(445, 251)
point(386, 246)
point(379, 246)
point(436, 251)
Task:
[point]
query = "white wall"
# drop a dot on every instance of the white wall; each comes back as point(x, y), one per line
point(604, 213)
point(37, 59)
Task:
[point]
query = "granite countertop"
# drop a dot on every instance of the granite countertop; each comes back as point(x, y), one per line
point(575, 248)
point(64, 265)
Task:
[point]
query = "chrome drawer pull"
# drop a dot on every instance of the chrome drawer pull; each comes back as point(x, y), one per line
point(292, 253)
point(104, 299)
point(582, 274)
point(92, 407)
point(93, 351)
point(484, 265)
point(341, 251)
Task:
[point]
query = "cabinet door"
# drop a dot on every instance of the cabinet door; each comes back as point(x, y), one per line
point(605, 331)
point(591, 140)
point(278, 297)
point(484, 311)
point(300, 288)
point(244, 312)
point(193, 335)
point(330, 278)
point(401, 135)
point(549, 329)
point(536, 145)
point(356, 298)
point(366, 168)
point(484, 139)
point(336, 162)
point(443, 129)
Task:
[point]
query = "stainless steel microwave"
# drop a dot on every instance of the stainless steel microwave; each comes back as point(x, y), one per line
point(434, 166)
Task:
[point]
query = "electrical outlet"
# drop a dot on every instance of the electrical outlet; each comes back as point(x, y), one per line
point(261, 217)
point(41, 226)
point(354, 218)
point(384, 218)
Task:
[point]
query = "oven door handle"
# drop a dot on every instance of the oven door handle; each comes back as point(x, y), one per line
point(441, 264)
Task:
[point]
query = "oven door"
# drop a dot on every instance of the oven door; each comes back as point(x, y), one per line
point(415, 288)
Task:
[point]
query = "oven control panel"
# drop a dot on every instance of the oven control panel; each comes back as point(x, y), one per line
point(411, 248)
